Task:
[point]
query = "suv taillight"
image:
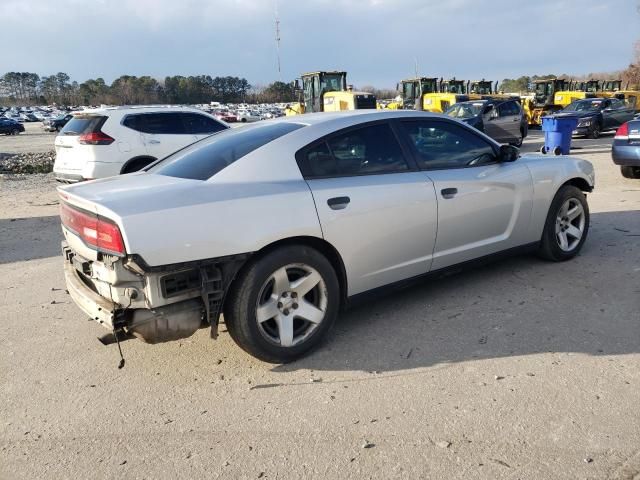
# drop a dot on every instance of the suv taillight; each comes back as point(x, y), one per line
point(623, 132)
point(95, 138)
point(97, 232)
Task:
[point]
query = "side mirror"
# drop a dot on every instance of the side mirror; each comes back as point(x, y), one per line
point(508, 153)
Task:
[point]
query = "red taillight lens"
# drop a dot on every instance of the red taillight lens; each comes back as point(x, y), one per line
point(95, 231)
point(95, 138)
point(623, 132)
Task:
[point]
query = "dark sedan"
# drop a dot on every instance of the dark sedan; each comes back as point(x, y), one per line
point(597, 115)
point(56, 124)
point(10, 127)
point(503, 120)
point(626, 149)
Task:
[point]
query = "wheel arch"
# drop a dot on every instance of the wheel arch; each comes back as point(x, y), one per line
point(132, 160)
point(580, 183)
point(319, 244)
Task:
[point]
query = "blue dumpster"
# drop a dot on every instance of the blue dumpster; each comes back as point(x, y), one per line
point(557, 134)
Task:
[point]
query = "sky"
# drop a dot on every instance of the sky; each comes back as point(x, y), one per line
point(378, 42)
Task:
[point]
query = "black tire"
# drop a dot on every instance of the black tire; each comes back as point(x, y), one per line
point(549, 247)
point(630, 172)
point(595, 131)
point(518, 143)
point(242, 301)
point(243, 120)
point(15, 131)
point(58, 128)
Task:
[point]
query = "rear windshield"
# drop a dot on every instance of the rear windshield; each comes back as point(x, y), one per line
point(80, 124)
point(204, 159)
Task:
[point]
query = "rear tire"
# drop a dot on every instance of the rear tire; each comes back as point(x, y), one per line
point(266, 314)
point(567, 225)
point(15, 131)
point(630, 172)
point(595, 132)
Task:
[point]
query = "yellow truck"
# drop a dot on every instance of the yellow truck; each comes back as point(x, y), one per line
point(328, 92)
point(449, 92)
point(613, 88)
point(576, 91)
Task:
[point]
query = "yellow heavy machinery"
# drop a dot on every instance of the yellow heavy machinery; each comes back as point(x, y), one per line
point(449, 92)
point(542, 101)
point(412, 93)
point(613, 88)
point(328, 92)
point(481, 88)
point(576, 91)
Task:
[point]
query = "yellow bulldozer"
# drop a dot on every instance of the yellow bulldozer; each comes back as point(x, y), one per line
point(542, 101)
point(449, 92)
point(328, 92)
point(613, 88)
point(576, 91)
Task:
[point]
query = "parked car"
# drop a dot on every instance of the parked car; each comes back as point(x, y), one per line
point(597, 115)
point(57, 123)
point(245, 116)
point(502, 120)
point(104, 142)
point(10, 127)
point(282, 223)
point(29, 117)
point(226, 116)
point(626, 149)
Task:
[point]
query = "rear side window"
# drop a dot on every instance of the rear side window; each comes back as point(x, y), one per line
point(199, 124)
point(364, 151)
point(80, 124)
point(204, 159)
point(165, 123)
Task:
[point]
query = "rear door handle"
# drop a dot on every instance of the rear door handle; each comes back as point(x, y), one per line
point(338, 203)
point(449, 192)
point(154, 141)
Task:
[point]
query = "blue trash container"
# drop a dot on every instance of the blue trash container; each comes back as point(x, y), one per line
point(557, 134)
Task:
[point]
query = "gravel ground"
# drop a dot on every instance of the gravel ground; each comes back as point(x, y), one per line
point(33, 140)
point(520, 370)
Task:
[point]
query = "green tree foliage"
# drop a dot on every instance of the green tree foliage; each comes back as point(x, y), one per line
point(24, 88)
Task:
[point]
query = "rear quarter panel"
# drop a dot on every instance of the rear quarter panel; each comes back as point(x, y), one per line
point(549, 174)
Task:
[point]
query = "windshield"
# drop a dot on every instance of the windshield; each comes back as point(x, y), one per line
point(544, 88)
point(409, 93)
point(465, 110)
point(453, 87)
point(584, 106)
point(202, 160)
point(332, 83)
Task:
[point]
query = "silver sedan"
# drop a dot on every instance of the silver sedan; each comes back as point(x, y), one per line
point(281, 224)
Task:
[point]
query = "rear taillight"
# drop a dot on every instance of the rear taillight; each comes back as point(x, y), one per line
point(97, 232)
point(95, 138)
point(623, 132)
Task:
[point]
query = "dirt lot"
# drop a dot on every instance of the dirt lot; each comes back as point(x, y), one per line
point(33, 140)
point(519, 370)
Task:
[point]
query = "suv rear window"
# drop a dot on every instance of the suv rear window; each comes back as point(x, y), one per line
point(167, 123)
point(202, 160)
point(80, 124)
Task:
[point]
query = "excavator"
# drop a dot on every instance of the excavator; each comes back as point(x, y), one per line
point(328, 92)
point(576, 91)
point(542, 102)
point(449, 92)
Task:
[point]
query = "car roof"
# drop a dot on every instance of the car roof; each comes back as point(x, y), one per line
point(139, 108)
point(359, 115)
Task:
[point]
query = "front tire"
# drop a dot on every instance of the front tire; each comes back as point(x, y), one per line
point(630, 172)
point(283, 304)
point(567, 225)
point(595, 132)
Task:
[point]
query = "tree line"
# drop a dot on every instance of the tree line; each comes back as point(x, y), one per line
point(26, 88)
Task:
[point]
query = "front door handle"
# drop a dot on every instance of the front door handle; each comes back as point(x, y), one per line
point(338, 203)
point(449, 192)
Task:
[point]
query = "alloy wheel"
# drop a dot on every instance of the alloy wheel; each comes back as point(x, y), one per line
point(570, 224)
point(291, 304)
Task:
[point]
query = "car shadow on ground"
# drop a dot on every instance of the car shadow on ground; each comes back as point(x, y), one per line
point(29, 238)
point(513, 307)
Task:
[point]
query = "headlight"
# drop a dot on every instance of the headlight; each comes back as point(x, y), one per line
point(584, 122)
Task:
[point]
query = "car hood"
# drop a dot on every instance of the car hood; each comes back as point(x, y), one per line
point(576, 114)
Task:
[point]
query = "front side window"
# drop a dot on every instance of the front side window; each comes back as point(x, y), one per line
point(202, 160)
point(508, 109)
point(441, 145)
point(364, 151)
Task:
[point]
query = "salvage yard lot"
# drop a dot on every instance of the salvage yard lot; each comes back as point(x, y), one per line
point(519, 369)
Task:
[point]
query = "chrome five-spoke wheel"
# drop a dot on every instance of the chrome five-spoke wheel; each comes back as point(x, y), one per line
point(570, 223)
point(291, 304)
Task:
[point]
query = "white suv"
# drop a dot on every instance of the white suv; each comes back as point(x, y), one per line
point(109, 141)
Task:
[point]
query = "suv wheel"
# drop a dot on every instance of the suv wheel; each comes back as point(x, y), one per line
point(630, 172)
point(567, 225)
point(283, 304)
